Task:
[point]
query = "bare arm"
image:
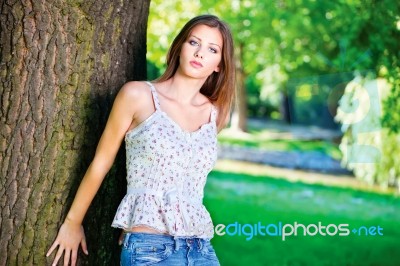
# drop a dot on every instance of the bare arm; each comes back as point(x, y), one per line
point(121, 117)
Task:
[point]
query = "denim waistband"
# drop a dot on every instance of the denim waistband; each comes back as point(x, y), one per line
point(177, 241)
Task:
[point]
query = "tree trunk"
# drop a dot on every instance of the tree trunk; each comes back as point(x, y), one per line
point(239, 116)
point(287, 110)
point(62, 63)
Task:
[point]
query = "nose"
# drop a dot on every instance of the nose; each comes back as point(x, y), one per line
point(198, 53)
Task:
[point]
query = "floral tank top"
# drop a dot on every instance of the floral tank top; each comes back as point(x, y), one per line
point(167, 168)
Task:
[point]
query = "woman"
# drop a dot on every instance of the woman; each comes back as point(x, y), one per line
point(170, 129)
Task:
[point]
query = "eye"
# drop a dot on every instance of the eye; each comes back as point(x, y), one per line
point(193, 43)
point(213, 50)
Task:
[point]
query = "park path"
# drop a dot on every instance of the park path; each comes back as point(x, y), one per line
point(306, 167)
point(310, 161)
point(304, 160)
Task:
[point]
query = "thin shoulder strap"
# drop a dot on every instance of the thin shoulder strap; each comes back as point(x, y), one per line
point(155, 96)
point(214, 113)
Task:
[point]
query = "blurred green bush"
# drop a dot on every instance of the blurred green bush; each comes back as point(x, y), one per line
point(369, 149)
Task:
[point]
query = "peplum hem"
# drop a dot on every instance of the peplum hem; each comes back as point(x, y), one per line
point(167, 212)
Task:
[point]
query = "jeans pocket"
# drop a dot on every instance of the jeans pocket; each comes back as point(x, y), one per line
point(150, 253)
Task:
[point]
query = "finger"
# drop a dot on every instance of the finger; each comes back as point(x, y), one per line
point(84, 246)
point(55, 244)
point(58, 255)
point(121, 238)
point(74, 257)
point(67, 255)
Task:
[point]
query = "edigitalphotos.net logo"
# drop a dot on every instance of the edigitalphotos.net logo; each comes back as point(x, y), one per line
point(297, 229)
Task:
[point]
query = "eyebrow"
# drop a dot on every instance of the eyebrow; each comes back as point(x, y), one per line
point(209, 43)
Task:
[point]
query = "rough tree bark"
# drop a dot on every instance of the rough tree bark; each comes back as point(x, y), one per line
point(62, 63)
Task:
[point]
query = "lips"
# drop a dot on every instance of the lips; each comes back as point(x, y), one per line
point(195, 64)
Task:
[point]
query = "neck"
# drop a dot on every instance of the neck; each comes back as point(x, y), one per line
point(182, 89)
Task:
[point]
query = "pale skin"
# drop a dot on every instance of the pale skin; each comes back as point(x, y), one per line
point(179, 97)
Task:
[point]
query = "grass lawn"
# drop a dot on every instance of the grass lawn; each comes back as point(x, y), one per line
point(249, 199)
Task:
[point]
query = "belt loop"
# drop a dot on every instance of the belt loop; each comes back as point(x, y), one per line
point(200, 243)
point(125, 239)
point(176, 243)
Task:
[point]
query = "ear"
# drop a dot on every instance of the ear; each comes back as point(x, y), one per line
point(216, 69)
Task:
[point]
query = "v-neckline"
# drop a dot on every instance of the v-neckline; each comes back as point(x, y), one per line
point(174, 123)
point(158, 108)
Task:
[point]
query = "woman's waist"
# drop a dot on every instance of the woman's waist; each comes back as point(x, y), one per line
point(144, 229)
point(156, 236)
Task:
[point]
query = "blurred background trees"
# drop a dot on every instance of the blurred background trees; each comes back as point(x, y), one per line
point(295, 59)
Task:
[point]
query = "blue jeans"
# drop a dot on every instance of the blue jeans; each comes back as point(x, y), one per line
point(157, 249)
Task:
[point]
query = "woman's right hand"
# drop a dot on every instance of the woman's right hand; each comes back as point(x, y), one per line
point(68, 239)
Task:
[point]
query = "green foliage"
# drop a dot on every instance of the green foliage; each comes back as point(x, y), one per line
point(391, 116)
point(368, 148)
point(385, 26)
point(153, 71)
point(279, 40)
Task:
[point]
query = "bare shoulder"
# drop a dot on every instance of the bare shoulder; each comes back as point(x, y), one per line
point(135, 98)
point(135, 91)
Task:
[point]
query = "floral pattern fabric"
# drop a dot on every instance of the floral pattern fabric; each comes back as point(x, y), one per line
point(167, 168)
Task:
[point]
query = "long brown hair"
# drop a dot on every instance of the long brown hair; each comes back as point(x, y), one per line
point(219, 86)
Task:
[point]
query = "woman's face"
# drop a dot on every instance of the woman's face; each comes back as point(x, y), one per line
point(201, 53)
